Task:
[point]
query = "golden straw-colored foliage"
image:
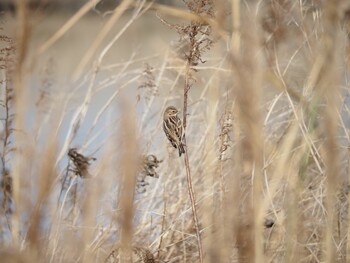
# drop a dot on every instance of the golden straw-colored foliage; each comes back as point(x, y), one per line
point(88, 175)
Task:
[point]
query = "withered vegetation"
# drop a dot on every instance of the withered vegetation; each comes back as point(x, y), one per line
point(88, 175)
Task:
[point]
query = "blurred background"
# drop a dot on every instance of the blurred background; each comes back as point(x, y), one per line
point(267, 135)
point(144, 40)
point(70, 6)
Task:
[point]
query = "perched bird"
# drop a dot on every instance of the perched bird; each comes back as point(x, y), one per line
point(80, 162)
point(173, 128)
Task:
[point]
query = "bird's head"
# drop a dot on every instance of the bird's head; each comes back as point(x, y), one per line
point(171, 111)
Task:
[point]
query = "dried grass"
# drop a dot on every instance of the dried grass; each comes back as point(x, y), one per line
point(264, 91)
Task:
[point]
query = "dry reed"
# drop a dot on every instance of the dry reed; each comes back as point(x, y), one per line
point(263, 87)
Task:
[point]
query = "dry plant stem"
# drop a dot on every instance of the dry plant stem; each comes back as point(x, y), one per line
point(328, 84)
point(45, 181)
point(188, 171)
point(68, 25)
point(236, 37)
point(180, 13)
point(63, 183)
point(119, 10)
point(348, 229)
point(134, 17)
point(245, 68)
point(22, 40)
point(129, 150)
point(78, 117)
point(6, 141)
point(163, 226)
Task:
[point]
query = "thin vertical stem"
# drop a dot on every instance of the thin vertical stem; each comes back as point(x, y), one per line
point(188, 170)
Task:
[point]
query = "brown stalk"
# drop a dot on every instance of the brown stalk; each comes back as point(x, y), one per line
point(6, 141)
point(196, 40)
point(328, 85)
point(245, 69)
point(163, 226)
point(45, 182)
point(22, 41)
point(129, 149)
point(188, 170)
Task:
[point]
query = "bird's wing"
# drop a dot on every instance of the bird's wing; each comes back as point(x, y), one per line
point(179, 128)
point(170, 131)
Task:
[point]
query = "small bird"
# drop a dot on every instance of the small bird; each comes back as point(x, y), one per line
point(80, 162)
point(172, 126)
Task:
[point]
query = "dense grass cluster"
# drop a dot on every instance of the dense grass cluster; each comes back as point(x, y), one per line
point(263, 87)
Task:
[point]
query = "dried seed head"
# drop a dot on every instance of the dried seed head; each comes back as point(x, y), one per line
point(80, 162)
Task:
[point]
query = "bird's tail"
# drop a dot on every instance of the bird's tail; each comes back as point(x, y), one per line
point(181, 149)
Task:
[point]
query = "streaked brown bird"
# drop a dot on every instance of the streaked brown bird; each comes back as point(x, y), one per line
point(172, 126)
point(80, 162)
